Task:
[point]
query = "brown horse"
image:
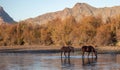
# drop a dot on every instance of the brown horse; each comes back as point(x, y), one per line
point(66, 49)
point(89, 49)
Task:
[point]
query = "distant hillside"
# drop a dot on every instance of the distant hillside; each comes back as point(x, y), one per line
point(79, 11)
point(80, 25)
point(5, 17)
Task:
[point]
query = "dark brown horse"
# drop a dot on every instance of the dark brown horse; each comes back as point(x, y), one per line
point(89, 49)
point(66, 49)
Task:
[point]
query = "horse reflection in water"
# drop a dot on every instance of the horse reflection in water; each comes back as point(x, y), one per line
point(66, 49)
point(89, 61)
point(66, 62)
point(89, 49)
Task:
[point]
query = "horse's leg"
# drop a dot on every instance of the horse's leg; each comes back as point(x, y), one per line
point(83, 54)
point(95, 53)
point(92, 54)
point(65, 54)
point(88, 54)
point(68, 54)
point(61, 54)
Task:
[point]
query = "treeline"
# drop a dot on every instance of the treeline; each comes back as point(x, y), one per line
point(90, 30)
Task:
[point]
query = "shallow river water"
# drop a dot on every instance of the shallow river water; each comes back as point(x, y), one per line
point(27, 61)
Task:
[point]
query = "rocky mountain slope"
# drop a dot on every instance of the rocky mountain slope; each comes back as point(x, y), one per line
point(5, 17)
point(78, 11)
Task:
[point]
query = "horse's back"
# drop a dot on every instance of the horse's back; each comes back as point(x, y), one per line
point(87, 48)
point(84, 48)
point(92, 48)
point(67, 48)
point(63, 48)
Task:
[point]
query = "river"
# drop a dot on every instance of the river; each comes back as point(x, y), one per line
point(53, 61)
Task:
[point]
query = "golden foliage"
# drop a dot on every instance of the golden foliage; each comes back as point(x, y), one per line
point(90, 30)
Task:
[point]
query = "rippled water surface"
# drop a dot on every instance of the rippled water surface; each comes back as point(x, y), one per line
point(27, 61)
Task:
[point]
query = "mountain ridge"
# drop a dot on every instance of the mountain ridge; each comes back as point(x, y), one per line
point(5, 17)
point(78, 11)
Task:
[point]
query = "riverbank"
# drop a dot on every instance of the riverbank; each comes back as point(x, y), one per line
point(108, 49)
point(29, 49)
point(52, 49)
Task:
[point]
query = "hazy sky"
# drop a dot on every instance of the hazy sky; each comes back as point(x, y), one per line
point(23, 9)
